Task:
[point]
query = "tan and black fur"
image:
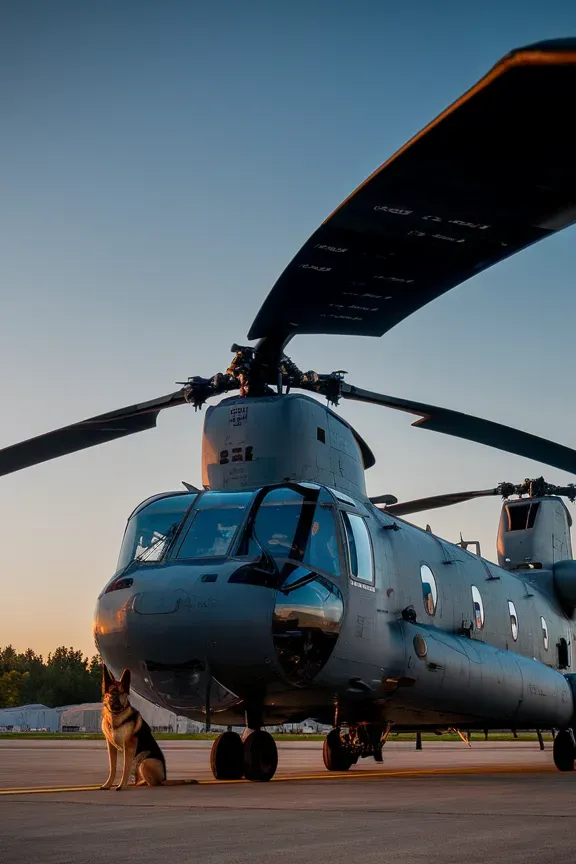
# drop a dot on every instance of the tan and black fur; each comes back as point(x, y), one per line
point(126, 731)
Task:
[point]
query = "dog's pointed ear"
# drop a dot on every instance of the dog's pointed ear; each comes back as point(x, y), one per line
point(107, 679)
point(125, 680)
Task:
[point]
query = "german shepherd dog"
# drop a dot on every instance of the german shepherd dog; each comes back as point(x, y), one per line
point(126, 731)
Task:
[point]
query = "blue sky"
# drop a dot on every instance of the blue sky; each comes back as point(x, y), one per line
point(160, 163)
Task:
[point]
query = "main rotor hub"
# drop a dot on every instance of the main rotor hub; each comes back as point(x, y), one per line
point(253, 375)
point(537, 488)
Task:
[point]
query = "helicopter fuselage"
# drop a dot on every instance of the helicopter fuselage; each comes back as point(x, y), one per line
point(298, 600)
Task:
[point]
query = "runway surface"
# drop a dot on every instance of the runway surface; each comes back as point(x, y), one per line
point(496, 802)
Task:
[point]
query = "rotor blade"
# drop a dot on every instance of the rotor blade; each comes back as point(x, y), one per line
point(473, 429)
point(492, 174)
point(87, 433)
point(384, 499)
point(435, 501)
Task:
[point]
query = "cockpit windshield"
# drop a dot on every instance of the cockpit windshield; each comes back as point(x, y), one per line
point(289, 524)
point(151, 525)
point(214, 524)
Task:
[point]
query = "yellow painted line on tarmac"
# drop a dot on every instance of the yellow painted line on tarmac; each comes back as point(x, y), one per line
point(417, 772)
point(354, 775)
point(40, 789)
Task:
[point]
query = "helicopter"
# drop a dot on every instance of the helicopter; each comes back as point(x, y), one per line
point(279, 590)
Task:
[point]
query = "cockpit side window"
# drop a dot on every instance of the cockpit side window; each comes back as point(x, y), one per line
point(359, 548)
point(149, 528)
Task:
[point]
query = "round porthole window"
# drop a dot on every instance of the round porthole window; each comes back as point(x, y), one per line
point(544, 632)
point(513, 620)
point(478, 608)
point(429, 589)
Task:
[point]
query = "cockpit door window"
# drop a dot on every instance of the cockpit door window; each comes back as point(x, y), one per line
point(276, 523)
point(290, 526)
point(322, 548)
point(360, 555)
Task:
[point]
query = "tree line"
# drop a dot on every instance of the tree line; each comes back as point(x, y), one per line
point(66, 677)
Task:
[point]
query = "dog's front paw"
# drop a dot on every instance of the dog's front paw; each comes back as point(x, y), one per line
point(106, 786)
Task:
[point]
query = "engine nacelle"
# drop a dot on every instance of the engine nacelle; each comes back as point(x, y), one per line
point(534, 531)
point(255, 442)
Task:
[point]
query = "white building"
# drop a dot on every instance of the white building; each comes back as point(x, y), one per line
point(87, 717)
point(81, 718)
point(29, 718)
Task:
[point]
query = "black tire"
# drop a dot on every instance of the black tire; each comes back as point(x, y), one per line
point(563, 751)
point(260, 756)
point(336, 756)
point(227, 757)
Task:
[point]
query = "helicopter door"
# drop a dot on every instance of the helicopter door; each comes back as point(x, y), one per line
point(361, 619)
point(360, 553)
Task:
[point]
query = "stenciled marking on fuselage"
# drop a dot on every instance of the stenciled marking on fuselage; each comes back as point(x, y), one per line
point(363, 585)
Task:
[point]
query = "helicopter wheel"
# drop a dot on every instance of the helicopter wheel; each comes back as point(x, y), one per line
point(227, 757)
point(260, 756)
point(336, 756)
point(563, 751)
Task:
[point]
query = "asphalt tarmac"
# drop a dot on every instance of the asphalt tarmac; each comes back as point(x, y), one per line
point(495, 802)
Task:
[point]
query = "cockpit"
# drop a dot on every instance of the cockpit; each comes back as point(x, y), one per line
point(293, 523)
point(298, 539)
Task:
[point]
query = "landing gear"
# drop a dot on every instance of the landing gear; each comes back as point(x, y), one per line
point(255, 758)
point(260, 756)
point(227, 757)
point(337, 756)
point(345, 744)
point(564, 751)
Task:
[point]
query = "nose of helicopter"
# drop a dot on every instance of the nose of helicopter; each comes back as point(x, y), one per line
point(197, 626)
point(182, 629)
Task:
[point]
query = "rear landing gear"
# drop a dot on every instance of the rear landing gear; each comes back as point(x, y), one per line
point(345, 745)
point(255, 758)
point(564, 751)
point(337, 756)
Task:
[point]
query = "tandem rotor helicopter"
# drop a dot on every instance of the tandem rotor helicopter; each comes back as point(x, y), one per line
point(280, 591)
